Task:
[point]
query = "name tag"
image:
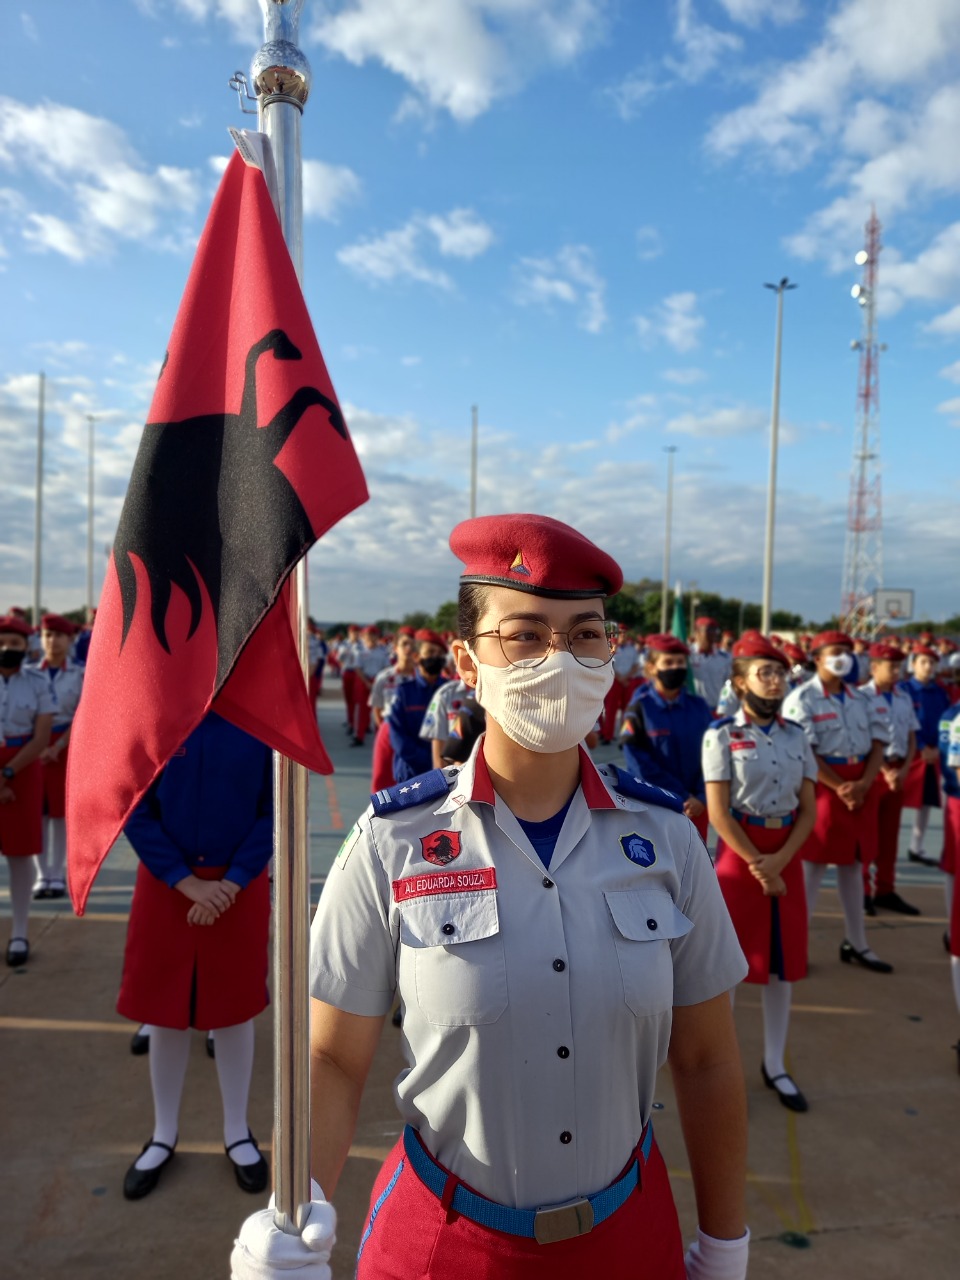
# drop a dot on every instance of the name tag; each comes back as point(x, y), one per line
point(741, 746)
point(826, 715)
point(444, 882)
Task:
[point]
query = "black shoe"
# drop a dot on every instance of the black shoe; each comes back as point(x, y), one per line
point(18, 952)
point(139, 1044)
point(956, 1047)
point(893, 902)
point(41, 890)
point(397, 1018)
point(922, 857)
point(850, 955)
point(140, 1182)
point(868, 908)
point(792, 1101)
point(250, 1177)
point(357, 742)
point(58, 888)
point(211, 1045)
point(946, 941)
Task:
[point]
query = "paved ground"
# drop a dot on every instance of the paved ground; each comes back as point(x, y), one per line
point(862, 1186)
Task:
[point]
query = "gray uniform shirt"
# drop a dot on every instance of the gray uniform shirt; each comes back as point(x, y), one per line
point(710, 673)
point(23, 697)
point(838, 728)
point(537, 1005)
point(765, 769)
point(65, 685)
point(902, 718)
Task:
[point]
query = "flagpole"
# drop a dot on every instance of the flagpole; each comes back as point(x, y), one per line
point(38, 511)
point(281, 79)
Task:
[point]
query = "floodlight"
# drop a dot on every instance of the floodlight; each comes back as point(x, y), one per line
point(861, 257)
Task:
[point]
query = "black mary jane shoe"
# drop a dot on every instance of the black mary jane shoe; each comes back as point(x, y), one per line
point(138, 1183)
point(41, 890)
point(792, 1101)
point(850, 955)
point(893, 902)
point(18, 952)
point(869, 909)
point(946, 941)
point(250, 1177)
point(211, 1045)
point(923, 858)
point(58, 888)
point(139, 1044)
point(956, 1049)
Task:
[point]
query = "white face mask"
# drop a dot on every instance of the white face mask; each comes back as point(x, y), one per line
point(839, 664)
point(547, 708)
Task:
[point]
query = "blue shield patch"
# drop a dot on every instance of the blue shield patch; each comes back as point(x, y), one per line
point(639, 850)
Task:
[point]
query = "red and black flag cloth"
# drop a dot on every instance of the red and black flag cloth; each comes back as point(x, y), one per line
point(244, 462)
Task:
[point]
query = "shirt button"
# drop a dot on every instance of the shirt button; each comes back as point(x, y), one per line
point(547, 882)
point(566, 1137)
point(559, 965)
point(563, 1052)
point(651, 923)
point(448, 928)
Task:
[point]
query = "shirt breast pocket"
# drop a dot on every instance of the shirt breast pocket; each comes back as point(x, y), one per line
point(645, 922)
point(459, 970)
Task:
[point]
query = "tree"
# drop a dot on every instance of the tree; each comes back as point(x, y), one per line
point(445, 619)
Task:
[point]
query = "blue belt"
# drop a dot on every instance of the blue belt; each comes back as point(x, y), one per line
point(17, 742)
point(547, 1225)
point(843, 759)
point(62, 728)
point(772, 824)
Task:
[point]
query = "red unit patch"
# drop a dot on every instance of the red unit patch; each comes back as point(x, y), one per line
point(444, 882)
point(825, 715)
point(441, 847)
point(741, 746)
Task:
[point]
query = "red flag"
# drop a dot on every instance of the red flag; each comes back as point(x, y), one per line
point(244, 462)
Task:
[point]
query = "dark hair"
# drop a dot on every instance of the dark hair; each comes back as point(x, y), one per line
point(471, 606)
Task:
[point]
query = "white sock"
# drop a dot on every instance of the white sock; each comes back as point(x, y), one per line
point(813, 873)
point(235, 1069)
point(948, 891)
point(955, 974)
point(169, 1054)
point(850, 889)
point(920, 828)
point(55, 849)
point(23, 874)
point(775, 999)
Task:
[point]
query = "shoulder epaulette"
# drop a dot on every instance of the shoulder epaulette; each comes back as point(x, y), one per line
point(405, 795)
point(636, 789)
point(794, 724)
point(719, 723)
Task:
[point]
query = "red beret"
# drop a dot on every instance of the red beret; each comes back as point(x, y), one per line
point(426, 636)
point(706, 622)
point(925, 636)
point(371, 630)
point(406, 631)
point(666, 644)
point(536, 554)
point(754, 645)
point(885, 652)
point(794, 652)
point(16, 626)
point(924, 651)
point(946, 641)
point(823, 638)
point(16, 612)
point(54, 622)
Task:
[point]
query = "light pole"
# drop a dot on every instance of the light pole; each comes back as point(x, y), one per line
point(669, 450)
point(779, 289)
point(91, 419)
point(38, 510)
point(473, 462)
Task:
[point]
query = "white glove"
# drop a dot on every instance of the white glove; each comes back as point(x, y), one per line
point(712, 1259)
point(263, 1252)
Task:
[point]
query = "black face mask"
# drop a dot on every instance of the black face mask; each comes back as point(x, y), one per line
point(762, 708)
point(10, 659)
point(673, 678)
point(432, 666)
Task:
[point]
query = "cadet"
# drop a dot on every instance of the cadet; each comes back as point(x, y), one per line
point(26, 714)
point(849, 733)
point(411, 753)
point(760, 774)
point(709, 663)
point(381, 697)
point(371, 658)
point(950, 764)
point(921, 790)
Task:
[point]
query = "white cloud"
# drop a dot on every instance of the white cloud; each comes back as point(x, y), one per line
point(752, 12)
point(460, 234)
point(569, 277)
point(946, 325)
point(243, 17)
point(738, 420)
point(631, 94)
point(411, 362)
point(649, 243)
point(461, 55)
point(933, 275)
point(675, 321)
point(29, 27)
point(702, 47)
point(951, 372)
point(952, 409)
point(326, 187)
point(399, 254)
point(683, 377)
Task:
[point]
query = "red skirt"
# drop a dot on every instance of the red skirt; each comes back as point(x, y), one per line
point(841, 835)
point(410, 1236)
point(381, 775)
point(21, 821)
point(922, 784)
point(772, 932)
point(950, 858)
point(55, 782)
point(180, 975)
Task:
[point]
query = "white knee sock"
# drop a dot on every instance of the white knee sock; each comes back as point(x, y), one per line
point(948, 891)
point(850, 889)
point(235, 1069)
point(955, 974)
point(169, 1054)
point(53, 860)
point(23, 873)
point(813, 873)
point(775, 998)
point(920, 828)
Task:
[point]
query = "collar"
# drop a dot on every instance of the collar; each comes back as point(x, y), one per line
point(742, 721)
point(661, 701)
point(473, 784)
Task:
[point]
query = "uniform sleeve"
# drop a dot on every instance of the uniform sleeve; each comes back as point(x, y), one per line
point(158, 853)
point(435, 720)
point(352, 948)
point(706, 961)
point(794, 708)
point(810, 769)
point(880, 727)
point(46, 706)
point(715, 756)
point(256, 849)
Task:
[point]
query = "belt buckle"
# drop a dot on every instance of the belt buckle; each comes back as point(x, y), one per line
point(773, 824)
point(852, 760)
point(564, 1222)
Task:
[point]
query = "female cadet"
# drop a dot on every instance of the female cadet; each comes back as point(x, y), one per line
point(664, 726)
point(849, 733)
point(65, 679)
point(760, 775)
point(950, 771)
point(545, 922)
point(411, 753)
point(196, 952)
point(26, 714)
point(381, 697)
point(921, 791)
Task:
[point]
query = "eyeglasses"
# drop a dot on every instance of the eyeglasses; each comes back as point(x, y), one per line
point(770, 675)
point(525, 643)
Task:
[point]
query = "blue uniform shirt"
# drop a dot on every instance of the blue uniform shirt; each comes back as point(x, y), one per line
point(211, 806)
point(949, 749)
point(930, 701)
point(662, 740)
point(411, 753)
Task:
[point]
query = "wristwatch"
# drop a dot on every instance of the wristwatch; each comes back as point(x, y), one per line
point(8, 773)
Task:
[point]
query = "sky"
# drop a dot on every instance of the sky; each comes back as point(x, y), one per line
point(561, 211)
